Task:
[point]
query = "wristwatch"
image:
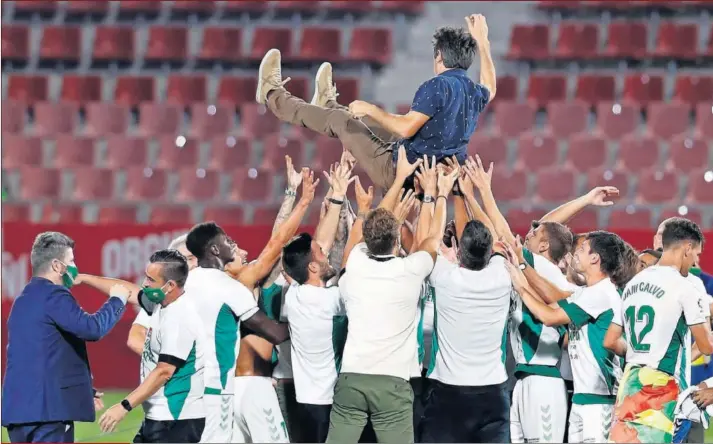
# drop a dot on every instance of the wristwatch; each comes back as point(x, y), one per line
point(289, 192)
point(427, 199)
point(335, 201)
point(127, 406)
point(522, 266)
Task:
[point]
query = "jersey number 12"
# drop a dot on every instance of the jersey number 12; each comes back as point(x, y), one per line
point(633, 316)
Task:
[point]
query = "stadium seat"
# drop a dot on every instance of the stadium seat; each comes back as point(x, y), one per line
point(545, 88)
point(125, 151)
point(490, 148)
point(688, 212)
point(224, 215)
point(251, 185)
point(184, 7)
point(229, 152)
point(73, 151)
point(290, 6)
point(143, 183)
point(91, 183)
point(274, 149)
point(18, 151)
point(39, 183)
point(248, 6)
point(131, 8)
point(237, 90)
point(106, 118)
point(15, 212)
point(208, 120)
point(167, 44)
point(257, 121)
point(641, 89)
point(656, 186)
point(509, 185)
point(318, 44)
point(186, 89)
point(27, 89)
point(406, 7)
point(113, 43)
point(55, 118)
point(79, 8)
point(608, 177)
point(177, 152)
point(577, 40)
point(586, 220)
point(197, 185)
point(615, 120)
point(327, 151)
point(555, 185)
point(567, 118)
point(687, 153)
point(666, 120)
point(62, 213)
point(701, 186)
point(81, 89)
point(704, 119)
point(638, 153)
point(15, 42)
point(221, 44)
point(265, 215)
point(371, 45)
point(586, 151)
point(593, 88)
point(116, 214)
point(536, 151)
point(348, 6)
point(709, 43)
point(40, 6)
point(693, 89)
point(679, 41)
point(513, 119)
point(61, 43)
point(132, 91)
point(521, 218)
point(159, 118)
point(348, 88)
point(633, 218)
point(165, 214)
point(298, 87)
point(627, 39)
point(13, 117)
point(508, 89)
point(265, 39)
point(530, 42)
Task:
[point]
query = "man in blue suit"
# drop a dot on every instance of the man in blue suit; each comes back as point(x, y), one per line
point(48, 382)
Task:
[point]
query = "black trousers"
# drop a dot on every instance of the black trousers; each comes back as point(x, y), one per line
point(184, 430)
point(420, 393)
point(466, 414)
point(314, 422)
point(570, 392)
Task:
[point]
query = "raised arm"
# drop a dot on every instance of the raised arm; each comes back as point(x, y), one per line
point(438, 223)
point(478, 28)
point(596, 197)
point(466, 187)
point(346, 220)
point(405, 126)
point(427, 177)
point(105, 285)
point(548, 315)
point(339, 179)
point(356, 235)
point(66, 313)
point(404, 170)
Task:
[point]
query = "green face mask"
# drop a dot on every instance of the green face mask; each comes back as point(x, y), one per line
point(70, 275)
point(155, 295)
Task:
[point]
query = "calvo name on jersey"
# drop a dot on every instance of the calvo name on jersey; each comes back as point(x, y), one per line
point(644, 287)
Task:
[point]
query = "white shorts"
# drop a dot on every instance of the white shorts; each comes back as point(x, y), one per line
point(258, 417)
point(590, 423)
point(218, 418)
point(538, 412)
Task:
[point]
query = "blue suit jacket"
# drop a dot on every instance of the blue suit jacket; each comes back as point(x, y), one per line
point(47, 377)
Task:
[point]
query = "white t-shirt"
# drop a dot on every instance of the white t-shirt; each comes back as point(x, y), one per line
point(176, 333)
point(221, 303)
point(381, 296)
point(472, 309)
point(317, 320)
point(596, 370)
point(142, 318)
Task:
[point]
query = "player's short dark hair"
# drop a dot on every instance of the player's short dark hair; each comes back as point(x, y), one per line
point(559, 237)
point(296, 256)
point(616, 257)
point(456, 45)
point(679, 229)
point(476, 246)
point(381, 231)
point(174, 266)
point(654, 253)
point(450, 233)
point(202, 237)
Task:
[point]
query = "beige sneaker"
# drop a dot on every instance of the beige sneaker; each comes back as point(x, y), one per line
point(324, 88)
point(269, 75)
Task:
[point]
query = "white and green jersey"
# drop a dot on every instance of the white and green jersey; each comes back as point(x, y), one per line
point(424, 331)
point(221, 303)
point(176, 336)
point(595, 369)
point(657, 307)
point(537, 348)
point(684, 375)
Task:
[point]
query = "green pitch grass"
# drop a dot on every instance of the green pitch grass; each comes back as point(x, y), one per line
point(90, 432)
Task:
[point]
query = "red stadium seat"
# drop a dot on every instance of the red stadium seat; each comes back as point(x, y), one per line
point(254, 7)
point(72, 151)
point(638, 153)
point(632, 218)
point(299, 87)
point(251, 185)
point(555, 185)
point(508, 89)
point(577, 40)
point(55, 118)
point(347, 6)
point(106, 118)
point(114, 214)
point(113, 43)
point(529, 42)
point(513, 119)
point(177, 152)
point(688, 153)
point(602, 177)
point(307, 6)
point(265, 215)
point(13, 117)
point(704, 119)
point(125, 151)
point(27, 89)
point(627, 39)
point(19, 151)
point(193, 6)
point(167, 44)
point(328, 150)
point(536, 151)
point(197, 185)
point(164, 214)
point(509, 185)
point(265, 39)
point(81, 89)
point(47, 6)
point(679, 41)
point(490, 148)
point(62, 213)
point(91, 183)
point(348, 88)
point(641, 89)
point(520, 219)
point(237, 90)
point(208, 120)
point(222, 44)
point(689, 213)
point(567, 118)
point(143, 183)
point(15, 42)
point(372, 45)
point(61, 43)
point(586, 151)
point(693, 89)
point(186, 89)
point(593, 88)
point(617, 119)
point(407, 7)
point(666, 120)
point(546, 88)
point(132, 91)
point(228, 153)
point(78, 7)
point(586, 220)
point(139, 7)
point(276, 147)
point(224, 215)
point(257, 121)
point(709, 44)
point(159, 118)
point(701, 186)
point(39, 183)
point(657, 186)
point(319, 44)
point(15, 212)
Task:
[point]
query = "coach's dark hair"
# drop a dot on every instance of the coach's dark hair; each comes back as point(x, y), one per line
point(615, 256)
point(202, 237)
point(559, 237)
point(476, 246)
point(679, 229)
point(174, 266)
point(456, 45)
point(381, 231)
point(47, 247)
point(296, 256)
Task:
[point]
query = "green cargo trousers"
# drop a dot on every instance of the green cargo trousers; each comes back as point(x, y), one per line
point(387, 400)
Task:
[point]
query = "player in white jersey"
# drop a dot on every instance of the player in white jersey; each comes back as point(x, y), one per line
point(173, 361)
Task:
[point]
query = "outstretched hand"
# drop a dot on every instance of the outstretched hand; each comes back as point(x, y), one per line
point(478, 27)
point(446, 182)
point(294, 179)
point(309, 185)
point(407, 201)
point(599, 195)
point(364, 198)
point(404, 169)
point(477, 174)
point(427, 176)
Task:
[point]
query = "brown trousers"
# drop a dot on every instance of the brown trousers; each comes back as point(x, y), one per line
point(370, 144)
